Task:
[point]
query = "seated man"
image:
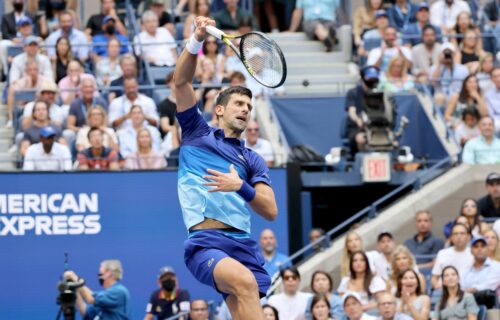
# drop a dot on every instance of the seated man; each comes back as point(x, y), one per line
point(275, 261)
point(319, 20)
point(47, 93)
point(402, 14)
point(259, 145)
point(425, 54)
point(489, 205)
point(492, 97)
point(390, 48)
point(373, 38)
point(353, 307)
point(230, 18)
point(387, 308)
point(30, 49)
point(47, 155)
point(97, 157)
point(484, 149)
point(95, 22)
point(100, 41)
point(128, 67)
point(71, 85)
point(412, 34)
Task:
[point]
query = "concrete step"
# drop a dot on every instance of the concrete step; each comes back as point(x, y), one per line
point(319, 88)
point(315, 79)
point(303, 46)
point(288, 36)
point(5, 144)
point(317, 68)
point(6, 133)
point(8, 166)
point(317, 57)
point(3, 120)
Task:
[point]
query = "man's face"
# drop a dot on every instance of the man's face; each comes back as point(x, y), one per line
point(493, 189)
point(131, 88)
point(236, 114)
point(26, 29)
point(423, 15)
point(390, 37)
point(107, 5)
point(47, 143)
point(32, 70)
point(480, 251)
point(382, 22)
point(88, 90)
point(96, 139)
point(252, 132)
point(74, 69)
point(290, 283)
point(128, 67)
point(387, 306)
point(423, 222)
point(65, 22)
point(40, 112)
point(137, 116)
point(199, 310)
point(487, 127)
point(157, 8)
point(429, 37)
point(150, 24)
point(48, 96)
point(267, 241)
point(459, 237)
point(495, 77)
point(386, 245)
point(353, 308)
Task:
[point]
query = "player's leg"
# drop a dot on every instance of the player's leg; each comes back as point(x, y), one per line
point(239, 283)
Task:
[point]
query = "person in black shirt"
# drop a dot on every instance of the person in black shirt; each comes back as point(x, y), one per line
point(94, 24)
point(167, 107)
point(164, 18)
point(489, 205)
point(169, 300)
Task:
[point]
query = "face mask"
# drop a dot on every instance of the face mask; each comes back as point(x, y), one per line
point(58, 5)
point(110, 29)
point(18, 6)
point(168, 285)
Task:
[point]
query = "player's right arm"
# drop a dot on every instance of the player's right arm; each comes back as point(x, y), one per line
point(186, 66)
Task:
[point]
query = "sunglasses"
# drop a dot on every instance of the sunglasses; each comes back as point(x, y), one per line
point(286, 278)
point(252, 129)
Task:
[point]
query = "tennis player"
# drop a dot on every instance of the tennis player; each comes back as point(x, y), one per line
point(218, 176)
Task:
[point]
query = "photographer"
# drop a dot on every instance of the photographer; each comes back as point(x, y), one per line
point(111, 303)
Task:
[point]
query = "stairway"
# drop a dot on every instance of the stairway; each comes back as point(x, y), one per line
point(6, 137)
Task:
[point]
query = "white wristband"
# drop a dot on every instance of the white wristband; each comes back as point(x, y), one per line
point(193, 45)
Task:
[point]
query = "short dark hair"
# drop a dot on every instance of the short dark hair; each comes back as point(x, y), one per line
point(293, 270)
point(428, 27)
point(327, 275)
point(383, 235)
point(458, 224)
point(224, 96)
point(92, 130)
point(275, 311)
point(471, 111)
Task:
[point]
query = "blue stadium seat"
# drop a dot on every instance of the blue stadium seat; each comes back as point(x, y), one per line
point(160, 95)
point(24, 96)
point(160, 73)
point(13, 51)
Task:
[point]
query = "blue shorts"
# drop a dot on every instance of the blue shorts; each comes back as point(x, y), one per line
point(205, 248)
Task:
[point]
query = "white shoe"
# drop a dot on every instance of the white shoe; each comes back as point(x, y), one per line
point(13, 149)
point(9, 124)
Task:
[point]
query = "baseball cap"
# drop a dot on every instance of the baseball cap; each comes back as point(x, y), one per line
point(423, 5)
point(49, 86)
point(447, 46)
point(30, 40)
point(384, 234)
point(370, 72)
point(107, 18)
point(47, 131)
point(164, 270)
point(380, 13)
point(493, 177)
point(477, 239)
point(349, 294)
point(24, 20)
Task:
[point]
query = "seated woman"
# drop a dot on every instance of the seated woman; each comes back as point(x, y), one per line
point(455, 303)
point(396, 77)
point(322, 283)
point(493, 243)
point(486, 64)
point(470, 96)
point(96, 118)
point(62, 58)
point(464, 22)
point(108, 68)
point(471, 51)
point(362, 281)
point(402, 259)
point(410, 295)
point(145, 157)
point(320, 308)
point(352, 243)
point(70, 86)
point(364, 19)
point(470, 211)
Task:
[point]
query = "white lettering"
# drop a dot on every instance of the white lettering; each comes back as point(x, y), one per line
point(92, 224)
point(43, 200)
point(60, 225)
point(26, 223)
point(9, 225)
point(3, 203)
point(15, 203)
point(31, 203)
point(89, 204)
point(43, 224)
point(69, 203)
point(75, 224)
point(51, 202)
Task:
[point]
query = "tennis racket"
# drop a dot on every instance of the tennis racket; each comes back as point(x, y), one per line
point(261, 56)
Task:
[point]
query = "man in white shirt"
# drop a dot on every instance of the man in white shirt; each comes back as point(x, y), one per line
point(353, 307)
point(387, 308)
point(47, 155)
point(492, 97)
point(390, 48)
point(119, 115)
point(484, 274)
point(155, 44)
point(292, 303)
point(444, 13)
point(261, 146)
point(31, 48)
point(425, 54)
point(458, 255)
point(382, 259)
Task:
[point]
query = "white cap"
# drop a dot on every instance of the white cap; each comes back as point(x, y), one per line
point(254, 52)
point(447, 45)
point(349, 294)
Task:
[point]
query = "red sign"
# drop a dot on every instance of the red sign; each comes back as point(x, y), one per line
point(376, 167)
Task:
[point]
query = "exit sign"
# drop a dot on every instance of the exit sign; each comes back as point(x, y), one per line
point(376, 167)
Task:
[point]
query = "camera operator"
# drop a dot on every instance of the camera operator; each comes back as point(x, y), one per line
point(355, 107)
point(111, 303)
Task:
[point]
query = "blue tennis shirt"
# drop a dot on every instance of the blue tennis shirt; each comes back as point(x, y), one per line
point(205, 148)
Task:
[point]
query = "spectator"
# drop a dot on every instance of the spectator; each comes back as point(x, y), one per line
point(402, 260)
point(489, 205)
point(322, 284)
point(493, 97)
point(97, 156)
point(47, 155)
point(128, 134)
point(101, 41)
point(381, 56)
point(320, 308)
point(467, 128)
point(108, 68)
point(145, 158)
point(270, 312)
point(444, 13)
point(486, 64)
point(40, 119)
point(291, 303)
point(470, 96)
point(424, 242)
point(30, 54)
point(128, 66)
point(112, 302)
point(364, 19)
point(170, 144)
point(470, 211)
point(387, 308)
point(314, 235)
point(95, 22)
point(446, 76)
point(76, 37)
point(31, 81)
point(455, 303)
point(229, 18)
point(51, 20)
point(202, 8)
point(79, 108)
point(198, 310)
point(11, 19)
point(491, 237)
point(119, 109)
point(96, 118)
point(170, 299)
point(155, 44)
point(425, 54)
point(164, 18)
point(382, 257)
point(167, 107)
point(411, 297)
point(319, 21)
point(484, 149)
point(462, 25)
point(491, 14)
point(274, 261)
point(353, 307)
point(210, 51)
point(396, 77)
point(255, 56)
point(353, 243)
point(458, 255)
point(71, 85)
point(484, 274)
point(47, 92)
point(373, 37)
point(362, 280)
point(261, 146)
point(413, 33)
point(402, 14)
point(471, 51)
point(62, 58)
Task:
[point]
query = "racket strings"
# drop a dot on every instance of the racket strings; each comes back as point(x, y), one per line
point(263, 59)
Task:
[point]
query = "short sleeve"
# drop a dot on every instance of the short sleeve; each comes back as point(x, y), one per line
point(151, 306)
point(107, 298)
point(350, 99)
point(343, 285)
point(377, 284)
point(192, 123)
point(260, 171)
point(470, 304)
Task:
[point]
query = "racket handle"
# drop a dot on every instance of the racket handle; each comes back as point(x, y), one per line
point(215, 32)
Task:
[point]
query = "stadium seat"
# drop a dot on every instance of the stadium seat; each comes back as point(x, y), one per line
point(160, 95)
point(13, 51)
point(159, 73)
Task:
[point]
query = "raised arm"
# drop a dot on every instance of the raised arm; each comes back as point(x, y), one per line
point(186, 65)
